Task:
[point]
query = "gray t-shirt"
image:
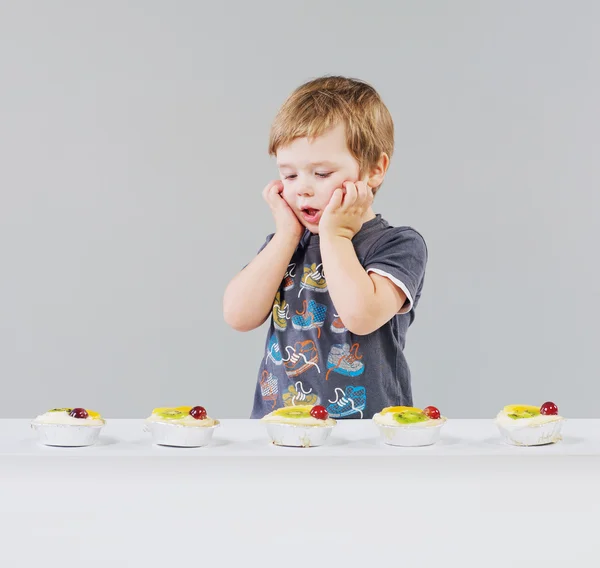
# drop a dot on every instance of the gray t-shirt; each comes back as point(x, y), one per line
point(311, 358)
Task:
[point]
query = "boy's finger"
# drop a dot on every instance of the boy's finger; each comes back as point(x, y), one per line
point(336, 200)
point(268, 188)
point(370, 195)
point(351, 194)
point(363, 191)
point(275, 190)
point(267, 193)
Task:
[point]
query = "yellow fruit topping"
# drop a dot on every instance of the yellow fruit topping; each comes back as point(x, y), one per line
point(521, 408)
point(517, 411)
point(391, 409)
point(300, 411)
point(160, 409)
point(93, 414)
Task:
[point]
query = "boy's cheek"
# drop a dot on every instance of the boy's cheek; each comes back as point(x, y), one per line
point(337, 184)
point(288, 195)
point(331, 193)
point(340, 181)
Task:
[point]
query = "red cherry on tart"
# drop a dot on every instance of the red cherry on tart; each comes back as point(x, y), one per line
point(432, 412)
point(198, 412)
point(319, 412)
point(79, 413)
point(549, 409)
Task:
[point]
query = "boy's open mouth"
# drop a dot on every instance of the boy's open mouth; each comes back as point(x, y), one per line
point(311, 215)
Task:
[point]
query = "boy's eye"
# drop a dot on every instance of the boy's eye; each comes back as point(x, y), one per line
point(318, 174)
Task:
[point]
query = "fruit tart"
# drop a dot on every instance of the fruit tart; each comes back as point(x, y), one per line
point(299, 426)
point(409, 426)
point(524, 425)
point(181, 426)
point(68, 427)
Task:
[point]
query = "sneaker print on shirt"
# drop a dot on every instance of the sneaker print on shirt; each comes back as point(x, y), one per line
point(337, 325)
point(301, 357)
point(313, 279)
point(352, 401)
point(288, 278)
point(312, 316)
point(345, 360)
point(296, 395)
point(269, 388)
point(273, 351)
point(281, 311)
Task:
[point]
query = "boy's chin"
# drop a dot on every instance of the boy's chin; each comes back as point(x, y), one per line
point(314, 229)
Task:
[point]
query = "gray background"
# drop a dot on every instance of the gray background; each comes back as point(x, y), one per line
point(133, 154)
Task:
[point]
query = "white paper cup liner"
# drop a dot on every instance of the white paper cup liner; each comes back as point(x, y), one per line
point(176, 435)
point(298, 436)
point(538, 435)
point(410, 436)
point(66, 435)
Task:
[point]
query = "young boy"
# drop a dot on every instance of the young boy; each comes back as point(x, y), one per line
point(338, 282)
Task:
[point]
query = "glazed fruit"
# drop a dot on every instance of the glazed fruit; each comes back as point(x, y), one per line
point(171, 413)
point(79, 413)
point(432, 412)
point(293, 412)
point(410, 417)
point(394, 409)
point(549, 409)
point(198, 412)
point(319, 412)
point(516, 411)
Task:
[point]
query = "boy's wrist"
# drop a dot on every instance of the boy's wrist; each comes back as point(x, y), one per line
point(287, 239)
point(336, 234)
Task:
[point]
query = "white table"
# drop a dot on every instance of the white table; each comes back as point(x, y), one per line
point(125, 502)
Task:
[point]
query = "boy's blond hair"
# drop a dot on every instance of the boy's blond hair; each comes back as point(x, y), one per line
point(318, 105)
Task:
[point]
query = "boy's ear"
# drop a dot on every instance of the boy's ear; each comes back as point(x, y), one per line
point(377, 172)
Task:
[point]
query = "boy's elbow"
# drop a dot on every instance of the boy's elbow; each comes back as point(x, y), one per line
point(231, 315)
point(238, 326)
point(235, 322)
point(360, 323)
point(360, 330)
point(238, 321)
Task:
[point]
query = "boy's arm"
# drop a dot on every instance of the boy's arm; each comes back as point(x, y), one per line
point(248, 299)
point(249, 296)
point(363, 301)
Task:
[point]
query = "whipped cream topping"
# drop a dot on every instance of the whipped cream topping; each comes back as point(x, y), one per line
point(63, 417)
point(189, 420)
point(508, 423)
point(389, 420)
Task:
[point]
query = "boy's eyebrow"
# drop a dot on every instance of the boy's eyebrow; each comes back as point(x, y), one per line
point(325, 163)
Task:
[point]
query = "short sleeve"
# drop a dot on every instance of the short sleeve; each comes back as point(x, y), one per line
point(400, 254)
point(267, 241)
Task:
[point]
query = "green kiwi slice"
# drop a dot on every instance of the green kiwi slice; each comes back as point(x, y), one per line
point(293, 412)
point(410, 417)
point(523, 414)
point(172, 414)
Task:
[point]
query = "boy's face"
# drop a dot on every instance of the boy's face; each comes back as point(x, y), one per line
point(311, 170)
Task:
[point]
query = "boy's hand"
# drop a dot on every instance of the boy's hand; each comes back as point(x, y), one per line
point(286, 222)
point(344, 214)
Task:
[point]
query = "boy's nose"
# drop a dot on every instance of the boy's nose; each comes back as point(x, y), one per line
point(306, 190)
